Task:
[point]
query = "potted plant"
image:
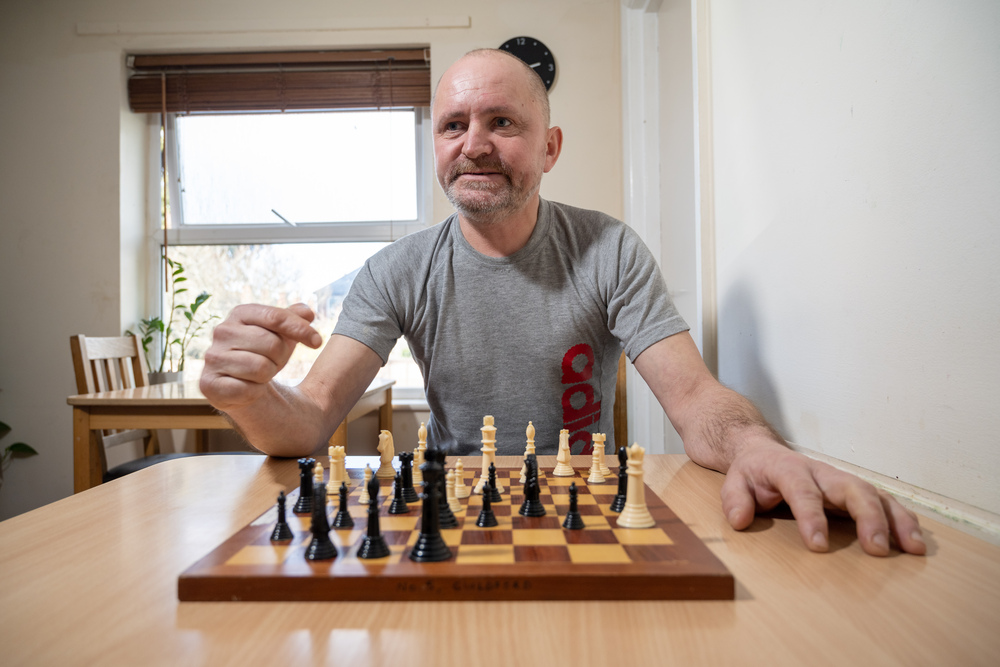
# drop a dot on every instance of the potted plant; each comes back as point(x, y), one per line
point(184, 322)
point(10, 452)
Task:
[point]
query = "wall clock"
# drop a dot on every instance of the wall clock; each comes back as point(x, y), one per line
point(536, 54)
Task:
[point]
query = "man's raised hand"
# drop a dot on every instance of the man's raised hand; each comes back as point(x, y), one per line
point(249, 348)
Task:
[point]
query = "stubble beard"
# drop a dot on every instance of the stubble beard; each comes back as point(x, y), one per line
point(486, 202)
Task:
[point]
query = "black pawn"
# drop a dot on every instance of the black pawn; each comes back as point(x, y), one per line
point(618, 504)
point(573, 519)
point(398, 505)
point(494, 494)
point(486, 517)
point(282, 532)
point(373, 544)
point(321, 547)
point(305, 502)
point(406, 468)
point(343, 518)
point(430, 546)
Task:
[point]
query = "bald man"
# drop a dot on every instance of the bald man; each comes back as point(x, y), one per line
point(519, 307)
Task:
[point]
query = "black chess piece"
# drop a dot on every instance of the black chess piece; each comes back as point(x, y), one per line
point(282, 532)
point(305, 501)
point(398, 505)
point(430, 546)
point(618, 503)
point(446, 516)
point(532, 505)
point(494, 494)
point(406, 468)
point(343, 518)
point(373, 544)
point(321, 547)
point(486, 517)
point(573, 519)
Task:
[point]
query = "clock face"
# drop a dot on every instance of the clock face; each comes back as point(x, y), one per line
point(536, 54)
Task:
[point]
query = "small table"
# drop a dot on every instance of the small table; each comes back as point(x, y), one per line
point(176, 405)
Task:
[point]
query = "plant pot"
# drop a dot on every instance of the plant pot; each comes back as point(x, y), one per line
point(156, 377)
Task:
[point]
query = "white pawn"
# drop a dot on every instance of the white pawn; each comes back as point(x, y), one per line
point(449, 491)
point(461, 490)
point(365, 498)
point(596, 476)
point(318, 473)
point(563, 461)
point(599, 440)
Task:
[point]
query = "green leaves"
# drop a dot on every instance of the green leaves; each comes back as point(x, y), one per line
point(16, 450)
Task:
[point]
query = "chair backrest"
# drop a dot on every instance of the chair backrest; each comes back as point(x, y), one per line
point(621, 407)
point(105, 364)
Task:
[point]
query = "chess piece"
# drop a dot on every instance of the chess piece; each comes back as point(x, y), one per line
point(338, 473)
point(635, 514)
point(430, 546)
point(494, 493)
point(489, 450)
point(343, 518)
point(304, 503)
point(596, 477)
point(563, 461)
point(386, 452)
point(599, 441)
point(406, 475)
point(573, 519)
point(461, 490)
point(373, 544)
point(532, 505)
point(418, 454)
point(529, 448)
point(321, 547)
point(447, 517)
point(282, 532)
point(618, 503)
point(453, 502)
point(487, 519)
point(365, 497)
point(317, 474)
point(398, 505)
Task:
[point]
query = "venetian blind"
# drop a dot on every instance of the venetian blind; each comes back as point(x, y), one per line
point(280, 81)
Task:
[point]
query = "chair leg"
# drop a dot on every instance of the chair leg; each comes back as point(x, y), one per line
point(201, 440)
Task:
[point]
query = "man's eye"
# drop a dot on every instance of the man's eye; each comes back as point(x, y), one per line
point(503, 122)
point(452, 127)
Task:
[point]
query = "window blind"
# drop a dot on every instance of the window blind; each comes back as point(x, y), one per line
point(280, 81)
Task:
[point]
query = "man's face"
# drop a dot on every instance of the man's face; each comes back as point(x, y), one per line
point(490, 138)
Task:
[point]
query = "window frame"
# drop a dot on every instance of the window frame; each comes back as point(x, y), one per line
point(314, 232)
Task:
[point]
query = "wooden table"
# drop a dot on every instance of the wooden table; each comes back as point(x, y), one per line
point(175, 405)
point(92, 579)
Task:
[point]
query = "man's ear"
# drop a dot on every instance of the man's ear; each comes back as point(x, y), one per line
point(553, 146)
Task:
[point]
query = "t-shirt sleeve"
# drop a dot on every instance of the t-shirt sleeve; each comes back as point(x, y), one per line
point(367, 315)
point(640, 309)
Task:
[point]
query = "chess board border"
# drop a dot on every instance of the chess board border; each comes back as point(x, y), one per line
point(689, 572)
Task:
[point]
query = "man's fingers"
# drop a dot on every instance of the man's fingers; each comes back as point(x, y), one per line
point(303, 311)
point(284, 322)
point(805, 499)
point(904, 526)
point(738, 502)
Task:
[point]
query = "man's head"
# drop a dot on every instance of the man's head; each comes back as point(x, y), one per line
point(492, 140)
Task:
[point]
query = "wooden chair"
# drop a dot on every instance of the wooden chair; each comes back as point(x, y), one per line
point(107, 364)
point(621, 409)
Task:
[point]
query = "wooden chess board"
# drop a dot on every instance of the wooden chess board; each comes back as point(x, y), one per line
point(520, 559)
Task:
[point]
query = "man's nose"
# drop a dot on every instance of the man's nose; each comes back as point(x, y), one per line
point(477, 142)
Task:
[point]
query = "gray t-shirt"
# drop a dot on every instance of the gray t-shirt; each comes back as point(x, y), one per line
point(533, 336)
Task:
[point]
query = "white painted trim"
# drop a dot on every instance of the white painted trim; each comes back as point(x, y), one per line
point(641, 167)
point(961, 516)
point(708, 307)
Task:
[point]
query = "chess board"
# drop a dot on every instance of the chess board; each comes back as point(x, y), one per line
point(520, 559)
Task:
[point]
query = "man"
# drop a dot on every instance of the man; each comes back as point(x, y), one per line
point(492, 143)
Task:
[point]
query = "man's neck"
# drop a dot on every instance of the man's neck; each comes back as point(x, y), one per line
point(502, 237)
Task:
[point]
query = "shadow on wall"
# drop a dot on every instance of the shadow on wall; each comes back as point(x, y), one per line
point(740, 364)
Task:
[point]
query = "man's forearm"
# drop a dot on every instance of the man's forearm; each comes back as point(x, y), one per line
point(285, 421)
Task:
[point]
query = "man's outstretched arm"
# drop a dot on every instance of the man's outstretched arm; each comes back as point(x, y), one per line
point(251, 346)
point(723, 430)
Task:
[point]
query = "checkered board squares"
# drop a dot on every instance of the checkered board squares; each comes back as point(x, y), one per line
point(522, 558)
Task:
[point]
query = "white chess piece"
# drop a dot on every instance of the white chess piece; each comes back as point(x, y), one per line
point(461, 490)
point(563, 461)
point(599, 440)
point(529, 448)
point(452, 499)
point(635, 514)
point(386, 452)
point(418, 455)
point(365, 498)
point(596, 476)
point(489, 450)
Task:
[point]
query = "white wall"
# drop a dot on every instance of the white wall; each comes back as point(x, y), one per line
point(857, 189)
point(73, 159)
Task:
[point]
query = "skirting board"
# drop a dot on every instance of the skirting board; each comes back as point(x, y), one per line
point(967, 518)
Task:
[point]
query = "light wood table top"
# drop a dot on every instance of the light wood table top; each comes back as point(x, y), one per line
point(92, 579)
